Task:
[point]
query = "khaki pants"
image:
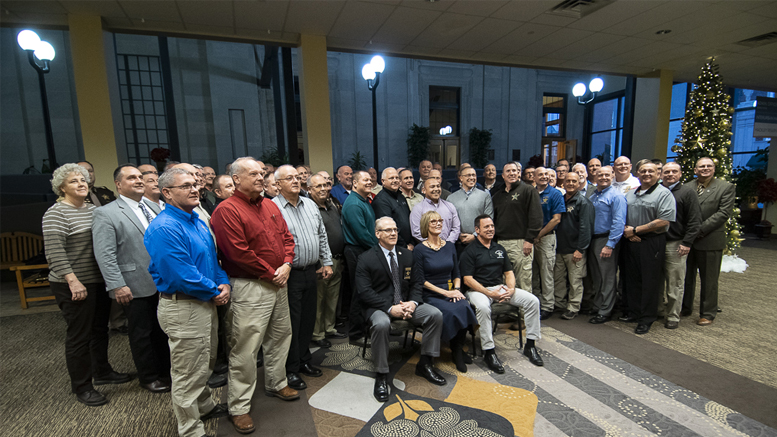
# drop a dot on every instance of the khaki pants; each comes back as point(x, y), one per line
point(545, 260)
point(328, 293)
point(674, 272)
point(257, 308)
point(191, 326)
point(522, 299)
point(521, 264)
point(575, 271)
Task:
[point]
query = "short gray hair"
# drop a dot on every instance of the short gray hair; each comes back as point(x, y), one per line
point(166, 179)
point(277, 173)
point(60, 174)
point(238, 165)
point(383, 219)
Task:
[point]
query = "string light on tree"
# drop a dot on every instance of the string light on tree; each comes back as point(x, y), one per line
point(706, 134)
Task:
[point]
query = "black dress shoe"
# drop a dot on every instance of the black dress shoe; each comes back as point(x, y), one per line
point(221, 368)
point(627, 319)
point(92, 397)
point(431, 375)
point(322, 343)
point(381, 391)
point(598, 319)
point(493, 363)
point(533, 355)
point(642, 328)
point(336, 335)
point(307, 369)
point(545, 314)
point(220, 410)
point(112, 378)
point(156, 386)
point(295, 381)
point(216, 380)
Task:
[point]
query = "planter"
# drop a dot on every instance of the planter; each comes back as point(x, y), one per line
point(763, 232)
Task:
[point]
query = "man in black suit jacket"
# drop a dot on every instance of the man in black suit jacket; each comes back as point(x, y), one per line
point(388, 290)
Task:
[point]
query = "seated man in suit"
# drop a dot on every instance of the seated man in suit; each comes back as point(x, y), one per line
point(487, 272)
point(388, 290)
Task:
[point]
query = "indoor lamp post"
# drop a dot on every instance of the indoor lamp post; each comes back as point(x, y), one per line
point(579, 90)
point(371, 73)
point(30, 42)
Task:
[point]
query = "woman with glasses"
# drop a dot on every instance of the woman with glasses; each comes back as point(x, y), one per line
point(438, 265)
point(78, 286)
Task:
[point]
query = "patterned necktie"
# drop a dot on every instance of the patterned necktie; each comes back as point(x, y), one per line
point(395, 279)
point(145, 212)
point(699, 189)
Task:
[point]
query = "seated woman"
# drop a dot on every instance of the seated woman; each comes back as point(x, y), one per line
point(438, 265)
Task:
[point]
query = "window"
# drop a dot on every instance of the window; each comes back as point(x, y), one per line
point(554, 117)
point(607, 129)
point(142, 105)
point(680, 95)
point(444, 109)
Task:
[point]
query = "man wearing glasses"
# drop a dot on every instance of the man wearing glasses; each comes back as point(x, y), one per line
point(470, 202)
point(311, 251)
point(388, 290)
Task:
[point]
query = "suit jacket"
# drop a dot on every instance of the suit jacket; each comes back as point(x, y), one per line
point(717, 204)
point(373, 280)
point(118, 246)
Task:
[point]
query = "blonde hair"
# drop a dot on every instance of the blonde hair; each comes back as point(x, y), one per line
point(426, 219)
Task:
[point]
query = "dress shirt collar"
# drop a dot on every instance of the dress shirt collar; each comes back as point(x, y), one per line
point(183, 215)
point(160, 202)
point(470, 191)
point(132, 203)
point(673, 186)
point(386, 254)
point(246, 199)
point(599, 192)
point(284, 202)
point(429, 201)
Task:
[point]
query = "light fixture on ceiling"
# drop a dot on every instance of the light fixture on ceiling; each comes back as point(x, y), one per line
point(579, 90)
point(663, 31)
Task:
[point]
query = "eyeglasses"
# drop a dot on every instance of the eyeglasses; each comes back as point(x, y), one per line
point(436, 221)
point(290, 178)
point(389, 231)
point(186, 187)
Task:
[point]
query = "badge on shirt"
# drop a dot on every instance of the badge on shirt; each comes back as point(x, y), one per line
point(570, 208)
point(407, 272)
point(499, 254)
point(545, 200)
point(515, 196)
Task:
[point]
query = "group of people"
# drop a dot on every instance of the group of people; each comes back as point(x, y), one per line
point(253, 266)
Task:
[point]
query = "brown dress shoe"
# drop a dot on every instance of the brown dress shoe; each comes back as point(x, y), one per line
point(286, 393)
point(704, 322)
point(243, 423)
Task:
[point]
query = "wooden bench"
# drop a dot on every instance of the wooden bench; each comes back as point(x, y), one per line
point(15, 249)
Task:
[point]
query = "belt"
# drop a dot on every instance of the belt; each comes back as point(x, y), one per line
point(178, 296)
point(304, 269)
point(606, 234)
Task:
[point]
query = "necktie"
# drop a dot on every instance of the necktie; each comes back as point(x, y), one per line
point(145, 212)
point(700, 189)
point(395, 279)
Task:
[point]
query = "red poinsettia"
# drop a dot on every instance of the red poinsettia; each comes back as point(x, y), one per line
point(160, 154)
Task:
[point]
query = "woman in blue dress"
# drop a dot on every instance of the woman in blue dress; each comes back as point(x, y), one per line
point(438, 266)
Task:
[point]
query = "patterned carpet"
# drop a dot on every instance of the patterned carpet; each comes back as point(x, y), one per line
point(580, 391)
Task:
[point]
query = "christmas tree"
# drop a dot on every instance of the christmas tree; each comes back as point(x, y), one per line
point(706, 132)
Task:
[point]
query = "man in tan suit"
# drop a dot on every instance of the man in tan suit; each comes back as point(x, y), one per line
point(716, 198)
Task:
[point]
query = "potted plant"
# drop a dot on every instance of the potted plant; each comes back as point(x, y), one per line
point(479, 144)
point(767, 193)
point(417, 145)
point(357, 162)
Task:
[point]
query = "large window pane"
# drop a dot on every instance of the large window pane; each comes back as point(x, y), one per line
point(675, 127)
point(605, 115)
point(679, 96)
point(603, 146)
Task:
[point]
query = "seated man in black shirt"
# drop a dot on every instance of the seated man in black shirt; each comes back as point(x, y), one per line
point(488, 274)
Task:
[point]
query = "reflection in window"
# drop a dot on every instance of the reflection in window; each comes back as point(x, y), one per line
point(444, 109)
point(554, 113)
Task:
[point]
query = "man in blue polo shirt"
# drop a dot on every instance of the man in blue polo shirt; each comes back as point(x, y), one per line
point(552, 202)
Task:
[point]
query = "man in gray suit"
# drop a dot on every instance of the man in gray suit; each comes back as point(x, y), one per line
point(118, 231)
point(716, 198)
